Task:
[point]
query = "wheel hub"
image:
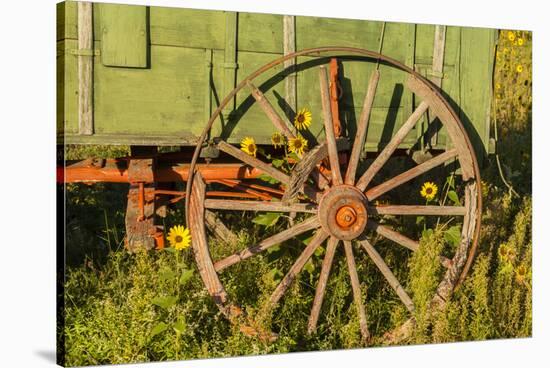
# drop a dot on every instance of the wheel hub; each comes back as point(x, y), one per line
point(343, 212)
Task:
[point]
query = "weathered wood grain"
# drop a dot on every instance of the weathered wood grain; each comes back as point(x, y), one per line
point(322, 284)
point(318, 238)
point(362, 125)
point(300, 228)
point(254, 162)
point(289, 46)
point(393, 235)
point(417, 210)
point(200, 244)
point(390, 148)
point(85, 70)
point(356, 288)
point(245, 205)
point(390, 277)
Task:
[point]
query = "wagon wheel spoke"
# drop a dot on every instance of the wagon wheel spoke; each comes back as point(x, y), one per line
point(362, 125)
point(245, 205)
point(408, 175)
point(309, 224)
point(417, 210)
point(386, 153)
point(322, 284)
point(329, 129)
point(356, 287)
point(390, 277)
point(318, 238)
point(253, 161)
point(306, 167)
point(403, 240)
point(272, 114)
point(393, 235)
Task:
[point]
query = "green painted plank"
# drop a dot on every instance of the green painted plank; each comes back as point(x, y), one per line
point(261, 33)
point(165, 99)
point(124, 35)
point(477, 48)
point(187, 27)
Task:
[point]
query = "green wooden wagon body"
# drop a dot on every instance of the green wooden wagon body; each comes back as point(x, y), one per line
point(158, 74)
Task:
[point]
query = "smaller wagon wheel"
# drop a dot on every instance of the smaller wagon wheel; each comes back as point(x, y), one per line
point(340, 207)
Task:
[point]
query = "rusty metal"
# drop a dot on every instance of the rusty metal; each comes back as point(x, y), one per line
point(343, 212)
point(335, 93)
point(141, 201)
point(116, 171)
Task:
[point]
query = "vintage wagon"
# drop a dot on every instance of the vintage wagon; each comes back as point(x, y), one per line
point(379, 92)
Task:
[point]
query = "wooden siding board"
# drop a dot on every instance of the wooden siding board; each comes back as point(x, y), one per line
point(261, 33)
point(127, 110)
point(166, 99)
point(124, 35)
point(187, 27)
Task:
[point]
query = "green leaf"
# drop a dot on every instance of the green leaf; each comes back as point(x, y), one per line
point(276, 274)
point(309, 267)
point(167, 274)
point(454, 197)
point(420, 219)
point(305, 238)
point(180, 326)
point(186, 276)
point(159, 328)
point(165, 301)
point(274, 248)
point(452, 235)
point(427, 233)
point(294, 156)
point(277, 162)
point(268, 179)
point(319, 251)
point(170, 250)
point(267, 219)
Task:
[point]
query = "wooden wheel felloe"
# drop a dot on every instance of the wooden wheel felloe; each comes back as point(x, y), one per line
point(337, 199)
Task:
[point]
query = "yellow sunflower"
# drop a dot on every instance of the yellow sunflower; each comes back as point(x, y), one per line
point(521, 273)
point(179, 237)
point(511, 36)
point(519, 68)
point(248, 145)
point(277, 139)
point(303, 119)
point(520, 41)
point(297, 145)
point(429, 190)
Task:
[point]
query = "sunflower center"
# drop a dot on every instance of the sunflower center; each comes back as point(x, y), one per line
point(252, 147)
point(298, 143)
point(429, 190)
point(301, 118)
point(179, 238)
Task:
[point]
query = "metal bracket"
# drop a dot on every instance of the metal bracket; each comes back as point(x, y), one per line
point(231, 65)
point(84, 52)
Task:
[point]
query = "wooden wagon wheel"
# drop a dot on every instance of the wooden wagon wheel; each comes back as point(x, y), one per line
point(341, 206)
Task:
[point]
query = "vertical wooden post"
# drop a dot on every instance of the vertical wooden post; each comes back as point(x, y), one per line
point(85, 68)
point(289, 46)
point(437, 63)
point(230, 59)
